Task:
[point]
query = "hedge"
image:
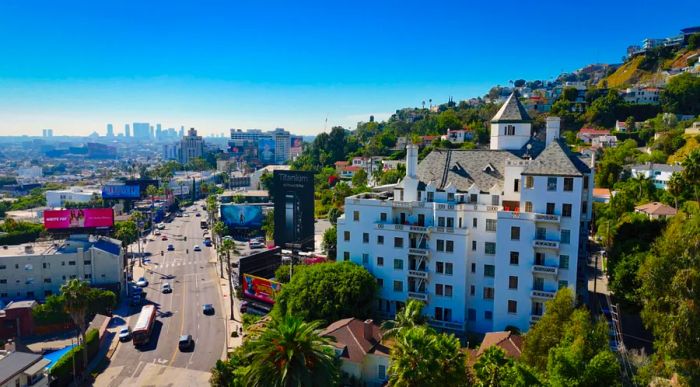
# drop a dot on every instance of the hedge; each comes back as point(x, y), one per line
point(62, 371)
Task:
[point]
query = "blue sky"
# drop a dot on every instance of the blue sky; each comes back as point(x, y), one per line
point(76, 65)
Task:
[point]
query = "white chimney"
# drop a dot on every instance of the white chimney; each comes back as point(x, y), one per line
point(552, 129)
point(411, 160)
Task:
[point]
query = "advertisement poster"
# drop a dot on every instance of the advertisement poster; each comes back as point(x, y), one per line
point(121, 192)
point(293, 193)
point(260, 289)
point(242, 215)
point(296, 141)
point(266, 150)
point(79, 218)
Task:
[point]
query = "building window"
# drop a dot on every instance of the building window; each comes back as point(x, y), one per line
point(551, 184)
point(515, 233)
point(471, 314)
point(87, 262)
point(441, 221)
point(3, 281)
point(448, 268)
point(356, 216)
point(584, 207)
point(491, 225)
point(473, 267)
point(47, 293)
point(380, 239)
point(88, 276)
point(346, 236)
point(398, 242)
point(440, 245)
point(398, 264)
point(512, 306)
point(3, 267)
point(448, 290)
point(568, 184)
point(489, 248)
point(382, 216)
point(473, 198)
point(421, 220)
point(438, 289)
point(550, 208)
point(431, 196)
point(514, 258)
point(516, 185)
point(563, 284)
point(563, 261)
point(450, 222)
point(380, 261)
point(566, 210)
point(495, 199)
point(489, 270)
point(71, 263)
point(47, 280)
point(439, 267)
point(46, 265)
point(381, 372)
point(529, 182)
point(380, 282)
point(513, 282)
point(528, 206)
point(365, 259)
point(472, 290)
point(541, 233)
point(474, 221)
point(473, 245)
point(565, 237)
point(450, 197)
point(488, 293)
point(449, 246)
point(585, 182)
point(365, 237)
point(398, 286)
point(509, 130)
point(488, 315)
point(346, 256)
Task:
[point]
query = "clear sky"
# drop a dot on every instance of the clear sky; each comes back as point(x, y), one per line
point(75, 66)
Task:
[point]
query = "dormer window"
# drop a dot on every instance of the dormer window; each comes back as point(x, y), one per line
point(509, 130)
point(489, 168)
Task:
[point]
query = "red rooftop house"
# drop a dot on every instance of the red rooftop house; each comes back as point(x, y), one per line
point(588, 134)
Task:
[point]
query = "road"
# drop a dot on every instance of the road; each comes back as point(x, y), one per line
point(193, 278)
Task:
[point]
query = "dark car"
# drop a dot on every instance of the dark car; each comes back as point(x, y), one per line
point(208, 309)
point(171, 247)
point(185, 342)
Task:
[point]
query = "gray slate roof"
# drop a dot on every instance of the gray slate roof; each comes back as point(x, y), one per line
point(657, 167)
point(15, 363)
point(557, 160)
point(511, 111)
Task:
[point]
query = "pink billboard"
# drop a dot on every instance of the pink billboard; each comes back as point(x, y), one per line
point(79, 218)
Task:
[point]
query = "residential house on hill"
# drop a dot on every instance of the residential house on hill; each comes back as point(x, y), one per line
point(660, 174)
point(656, 210)
point(588, 134)
point(510, 343)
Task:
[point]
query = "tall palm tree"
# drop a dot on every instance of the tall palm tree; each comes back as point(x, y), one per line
point(219, 229)
point(642, 183)
point(228, 247)
point(675, 186)
point(408, 317)
point(76, 301)
point(691, 170)
point(291, 352)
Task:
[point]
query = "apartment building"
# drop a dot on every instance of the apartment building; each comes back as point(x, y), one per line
point(58, 198)
point(37, 270)
point(483, 237)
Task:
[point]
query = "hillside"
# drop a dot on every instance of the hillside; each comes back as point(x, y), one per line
point(648, 68)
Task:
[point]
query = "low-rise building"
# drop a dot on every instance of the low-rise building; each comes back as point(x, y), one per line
point(588, 134)
point(23, 369)
point(358, 344)
point(58, 198)
point(660, 174)
point(37, 270)
point(608, 141)
point(510, 343)
point(642, 95)
point(656, 210)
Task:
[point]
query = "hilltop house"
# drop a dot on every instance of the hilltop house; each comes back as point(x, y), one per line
point(660, 174)
point(588, 134)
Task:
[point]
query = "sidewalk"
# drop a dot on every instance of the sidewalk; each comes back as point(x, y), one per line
point(231, 325)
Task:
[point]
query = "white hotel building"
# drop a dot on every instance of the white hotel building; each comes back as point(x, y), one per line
point(483, 237)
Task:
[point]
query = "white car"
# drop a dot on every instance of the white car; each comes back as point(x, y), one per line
point(166, 288)
point(197, 248)
point(142, 282)
point(161, 226)
point(124, 333)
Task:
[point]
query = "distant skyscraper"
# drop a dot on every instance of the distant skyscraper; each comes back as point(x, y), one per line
point(110, 130)
point(47, 133)
point(159, 132)
point(182, 131)
point(127, 131)
point(142, 130)
point(191, 146)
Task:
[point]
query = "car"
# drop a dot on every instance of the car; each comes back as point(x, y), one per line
point(161, 226)
point(186, 215)
point(256, 245)
point(124, 333)
point(166, 288)
point(156, 233)
point(207, 242)
point(197, 248)
point(208, 309)
point(142, 282)
point(179, 215)
point(164, 238)
point(171, 247)
point(185, 342)
point(234, 264)
point(198, 214)
point(244, 306)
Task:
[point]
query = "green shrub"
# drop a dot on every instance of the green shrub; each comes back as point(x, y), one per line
point(62, 371)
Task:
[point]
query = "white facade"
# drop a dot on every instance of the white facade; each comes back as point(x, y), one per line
point(30, 173)
point(659, 174)
point(58, 198)
point(482, 258)
point(37, 270)
point(642, 95)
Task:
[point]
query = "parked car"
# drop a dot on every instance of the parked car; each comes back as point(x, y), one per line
point(185, 342)
point(244, 306)
point(171, 247)
point(197, 248)
point(197, 215)
point(124, 333)
point(142, 282)
point(208, 309)
point(166, 288)
point(156, 233)
point(179, 215)
point(161, 226)
point(207, 242)
point(164, 238)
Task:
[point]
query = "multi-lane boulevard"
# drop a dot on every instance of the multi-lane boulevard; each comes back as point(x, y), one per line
point(194, 282)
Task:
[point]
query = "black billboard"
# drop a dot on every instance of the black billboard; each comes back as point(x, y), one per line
point(143, 184)
point(293, 196)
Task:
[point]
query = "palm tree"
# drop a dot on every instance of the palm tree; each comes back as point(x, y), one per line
point(219, 229)
point(642, 182)
point(490, 367)
point(408, 317)
point(691, 170)
point(676, 186)
point(76, 301)
point(229, 247)
point(291, 352)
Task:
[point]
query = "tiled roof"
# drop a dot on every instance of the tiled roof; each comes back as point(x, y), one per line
point(509, 342)
point(557, 160)
point(657, 209)
point(593, 131)
point(349, 335)
point(511, 111)
point(601, 193)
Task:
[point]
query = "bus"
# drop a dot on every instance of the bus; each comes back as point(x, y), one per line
point(144, 325)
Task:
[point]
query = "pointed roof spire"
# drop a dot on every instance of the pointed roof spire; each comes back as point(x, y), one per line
point(511, 111)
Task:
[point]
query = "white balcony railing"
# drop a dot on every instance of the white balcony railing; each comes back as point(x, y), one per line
point(542, 294)
point(547, 218)
point(546, 244)
point(418, 274)
point(423, 252)
point(544, 269)
point(420, 296)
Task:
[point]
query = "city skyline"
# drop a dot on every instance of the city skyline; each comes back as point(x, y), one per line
point(305, 68)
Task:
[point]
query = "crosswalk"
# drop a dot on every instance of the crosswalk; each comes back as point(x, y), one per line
point(175, 264)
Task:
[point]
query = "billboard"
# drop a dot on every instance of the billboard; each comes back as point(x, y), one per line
point(266, 150)
point(79, 218)
point(121, 191)
point(242, 215)
point(143, 184)
point(296, 141)
point(293, 196)
point(260, 289)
